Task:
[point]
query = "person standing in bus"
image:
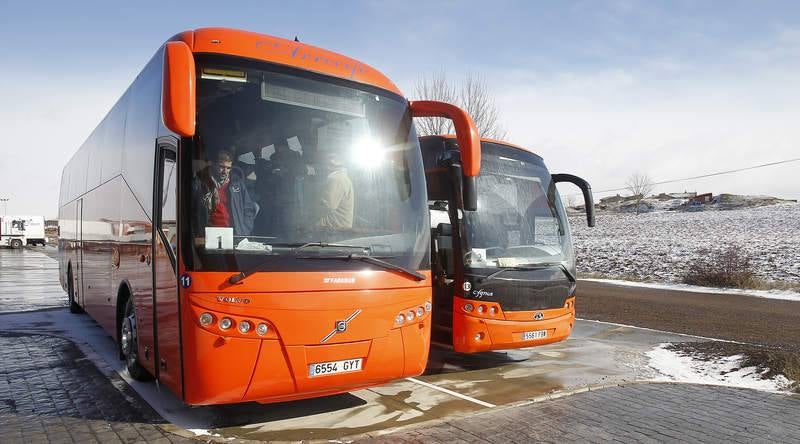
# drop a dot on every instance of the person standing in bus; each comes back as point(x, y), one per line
point(336, 200)
point(222, 198)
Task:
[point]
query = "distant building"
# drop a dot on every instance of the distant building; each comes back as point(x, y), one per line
point(701, 199)
point(611, 199)
point(684, 195)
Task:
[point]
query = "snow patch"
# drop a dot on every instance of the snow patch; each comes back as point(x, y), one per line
point(724, 371)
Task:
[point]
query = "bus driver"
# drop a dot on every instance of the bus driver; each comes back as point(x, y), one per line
point(220, 191)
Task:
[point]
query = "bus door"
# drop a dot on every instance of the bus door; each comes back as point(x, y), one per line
point(81, 286)
point(166, 321)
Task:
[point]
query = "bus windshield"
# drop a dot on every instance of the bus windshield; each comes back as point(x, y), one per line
point(288, 166)
point(520, 220)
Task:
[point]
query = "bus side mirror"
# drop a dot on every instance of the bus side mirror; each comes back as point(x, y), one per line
point(178, 100)
point(469, 142)
point(588, 200)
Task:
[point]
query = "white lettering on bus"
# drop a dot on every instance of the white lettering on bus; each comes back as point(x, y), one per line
point(339, 280)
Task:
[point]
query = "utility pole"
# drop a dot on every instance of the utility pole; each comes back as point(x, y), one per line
point(5, 204)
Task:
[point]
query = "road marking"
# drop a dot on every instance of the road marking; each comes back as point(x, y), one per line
point(667, 332)
point(452, 393)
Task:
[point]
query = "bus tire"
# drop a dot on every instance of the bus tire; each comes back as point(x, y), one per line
point(73, 306)
point(129, 344)
point(16, 244)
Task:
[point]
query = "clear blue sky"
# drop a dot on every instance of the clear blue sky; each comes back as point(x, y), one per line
point(601, 89)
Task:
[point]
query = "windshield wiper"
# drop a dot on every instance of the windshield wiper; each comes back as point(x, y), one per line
point(531, 267)
point(242, 275)
point(516, 268)
point(374, 261)
point(327, 245)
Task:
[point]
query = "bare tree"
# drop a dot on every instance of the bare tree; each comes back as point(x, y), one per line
point(434, 87)
point(472, 95)
point(639, 186)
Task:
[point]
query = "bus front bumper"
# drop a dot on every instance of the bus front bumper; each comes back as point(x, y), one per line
point(472, 334)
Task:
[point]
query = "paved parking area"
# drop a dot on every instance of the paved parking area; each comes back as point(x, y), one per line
point(50, 392)
point(629, 413)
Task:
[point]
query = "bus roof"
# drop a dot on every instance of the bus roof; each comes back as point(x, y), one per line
point(484, 139)
point(285, 52)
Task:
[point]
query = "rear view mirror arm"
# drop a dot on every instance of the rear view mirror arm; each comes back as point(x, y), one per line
point(588, 199)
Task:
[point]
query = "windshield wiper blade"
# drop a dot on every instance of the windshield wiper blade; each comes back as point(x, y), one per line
point(374, 261)
point(329, 245)
point(516, 268)
point(242, 275)
point(530, 267)
point(569, 274)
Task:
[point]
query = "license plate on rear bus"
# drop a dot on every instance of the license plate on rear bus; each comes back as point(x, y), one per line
point(538, 334)
point(334, 367)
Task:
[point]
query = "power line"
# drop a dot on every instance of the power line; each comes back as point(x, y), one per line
point(703, 175)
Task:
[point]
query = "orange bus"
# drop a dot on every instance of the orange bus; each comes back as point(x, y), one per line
point(504, 274)
point(250, 221)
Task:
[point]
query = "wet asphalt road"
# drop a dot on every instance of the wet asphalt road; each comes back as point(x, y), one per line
point(723, 316)
point(29, 280)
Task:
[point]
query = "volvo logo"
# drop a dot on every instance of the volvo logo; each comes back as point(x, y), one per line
point(340, 326)
point(538, 316)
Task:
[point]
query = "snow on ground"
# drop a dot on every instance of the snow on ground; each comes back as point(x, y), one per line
point(786, 295)
point(659, 246)
point(717, 371)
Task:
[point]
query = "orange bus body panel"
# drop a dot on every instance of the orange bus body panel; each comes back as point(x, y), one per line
point(285, 52)
point(300, 310)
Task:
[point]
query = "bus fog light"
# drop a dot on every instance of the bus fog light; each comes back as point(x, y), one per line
point(262, 329)
point(478, 336)
point(244, 327)
point(428, 306)
point(206, 319)
point(420, 312)
point(399, 319)
point(410, 315)
point(225, 323)
point(468, 307)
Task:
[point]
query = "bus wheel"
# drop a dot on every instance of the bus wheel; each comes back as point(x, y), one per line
point(73, 306)
point(16, 244)
point(129, 342)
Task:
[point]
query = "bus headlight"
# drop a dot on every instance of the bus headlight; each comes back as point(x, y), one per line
point(225, 323)
point(244, 327)
point(468, 307)
point(399, 319)
point(206, 319)
point(420, 312)
point(262, 329)
point(428, 306)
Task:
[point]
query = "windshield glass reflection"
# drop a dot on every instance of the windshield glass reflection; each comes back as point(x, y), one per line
point(283, 161)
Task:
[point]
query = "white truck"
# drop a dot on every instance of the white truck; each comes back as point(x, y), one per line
point(18, 231)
